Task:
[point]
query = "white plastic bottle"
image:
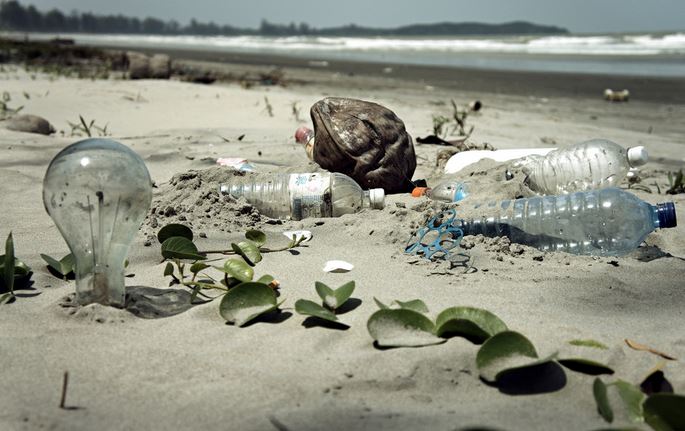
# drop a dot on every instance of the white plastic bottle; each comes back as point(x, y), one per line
point(593, 164)
point(466, 158)
point(598, 222)
point(446, 191)
point(299, 196)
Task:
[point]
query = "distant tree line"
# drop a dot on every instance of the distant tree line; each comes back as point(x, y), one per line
point(16, 17)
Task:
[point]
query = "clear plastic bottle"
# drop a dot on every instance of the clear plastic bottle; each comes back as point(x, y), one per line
point(446, 191)
point(298, 196)
point(593, 164)
point(599, 222)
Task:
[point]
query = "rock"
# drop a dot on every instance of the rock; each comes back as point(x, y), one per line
point(138, 65)
point(30, 124)
point(160, 66)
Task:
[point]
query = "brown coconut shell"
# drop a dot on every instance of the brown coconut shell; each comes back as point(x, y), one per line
point(365, 141)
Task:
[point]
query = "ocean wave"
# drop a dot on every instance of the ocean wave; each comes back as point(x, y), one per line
point(605, 45)
point(639, 45)
point(634, 55)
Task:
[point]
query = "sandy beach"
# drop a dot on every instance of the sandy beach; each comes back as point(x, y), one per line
point(193, 371)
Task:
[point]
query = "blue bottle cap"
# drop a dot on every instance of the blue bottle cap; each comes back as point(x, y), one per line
point(461, 193)
point(666, 214)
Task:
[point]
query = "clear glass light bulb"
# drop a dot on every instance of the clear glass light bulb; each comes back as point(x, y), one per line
point(98, 192)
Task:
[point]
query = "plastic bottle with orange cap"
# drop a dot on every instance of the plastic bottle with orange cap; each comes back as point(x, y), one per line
point(446, 191)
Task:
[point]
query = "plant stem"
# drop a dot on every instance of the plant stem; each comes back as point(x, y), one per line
point(261, 250)
point(65, 383)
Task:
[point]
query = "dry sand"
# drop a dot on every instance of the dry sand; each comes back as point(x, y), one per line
point(192, 371)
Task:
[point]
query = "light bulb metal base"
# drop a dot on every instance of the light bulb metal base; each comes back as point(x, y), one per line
point(106, 288)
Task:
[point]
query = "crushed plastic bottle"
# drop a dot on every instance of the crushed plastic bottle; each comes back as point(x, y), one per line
point(463, 159)
point(589, 165)
point(602, 222)
point(446, 191)
point(299, 196)
point(236, 163)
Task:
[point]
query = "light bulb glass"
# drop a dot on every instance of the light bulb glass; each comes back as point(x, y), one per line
point(98, 192)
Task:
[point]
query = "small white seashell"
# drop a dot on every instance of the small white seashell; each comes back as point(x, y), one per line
point(298, 234)
point(338, 266)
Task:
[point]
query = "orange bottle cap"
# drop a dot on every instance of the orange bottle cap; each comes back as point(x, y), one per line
point(419, 191)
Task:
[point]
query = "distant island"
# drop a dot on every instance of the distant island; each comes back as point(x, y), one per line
point(16, 17)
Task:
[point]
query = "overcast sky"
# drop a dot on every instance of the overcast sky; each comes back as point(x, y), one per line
point(576, 15)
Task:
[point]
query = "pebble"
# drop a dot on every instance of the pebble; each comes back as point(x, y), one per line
point(30, 124)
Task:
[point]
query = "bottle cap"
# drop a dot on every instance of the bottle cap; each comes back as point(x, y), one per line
point(377, 198)
point(302, 134)
point(637, 156)
point(666, 214)
point(419, 191)
point(461, 193)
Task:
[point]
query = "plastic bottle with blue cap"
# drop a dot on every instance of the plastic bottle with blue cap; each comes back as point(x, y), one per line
point(604, 222)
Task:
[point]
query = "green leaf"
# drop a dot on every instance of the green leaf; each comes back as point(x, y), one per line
point(474, 324)
point(380, 304)
point(52, 263)
point(665, 412)
point(20, 268)
point(334, 298)
point(172, 230)
point(256, 236)
point(342, 294)
point(238, 269)
point(22, 274)
point(504, 352)
point(266, 279)
point(324, 292)
point(178, 247)
point(68, 263)
point(402, 328)
point(8, 272)
point(416, 305)
point(586, 366)
point(588, 343)
point(248, 251)
point(311, 308)
point(6, 298)
point(64, 266)
point(197, 267)
point(599, 390)
point(632, 397)
point(247, 301)
point(168, 269)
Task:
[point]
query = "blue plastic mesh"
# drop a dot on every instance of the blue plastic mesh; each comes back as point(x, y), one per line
point(438, 238)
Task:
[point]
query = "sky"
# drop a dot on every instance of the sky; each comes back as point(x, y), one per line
point(579, 16)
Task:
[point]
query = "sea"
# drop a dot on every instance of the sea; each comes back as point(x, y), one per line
point(643, 54)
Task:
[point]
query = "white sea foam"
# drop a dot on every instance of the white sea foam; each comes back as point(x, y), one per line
point(645, 44)
point(635, 54)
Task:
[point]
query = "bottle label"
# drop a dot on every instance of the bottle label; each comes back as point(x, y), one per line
point(310, 195)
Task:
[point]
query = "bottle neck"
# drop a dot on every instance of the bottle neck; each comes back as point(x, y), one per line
point(366, 199)
point(655, 217)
